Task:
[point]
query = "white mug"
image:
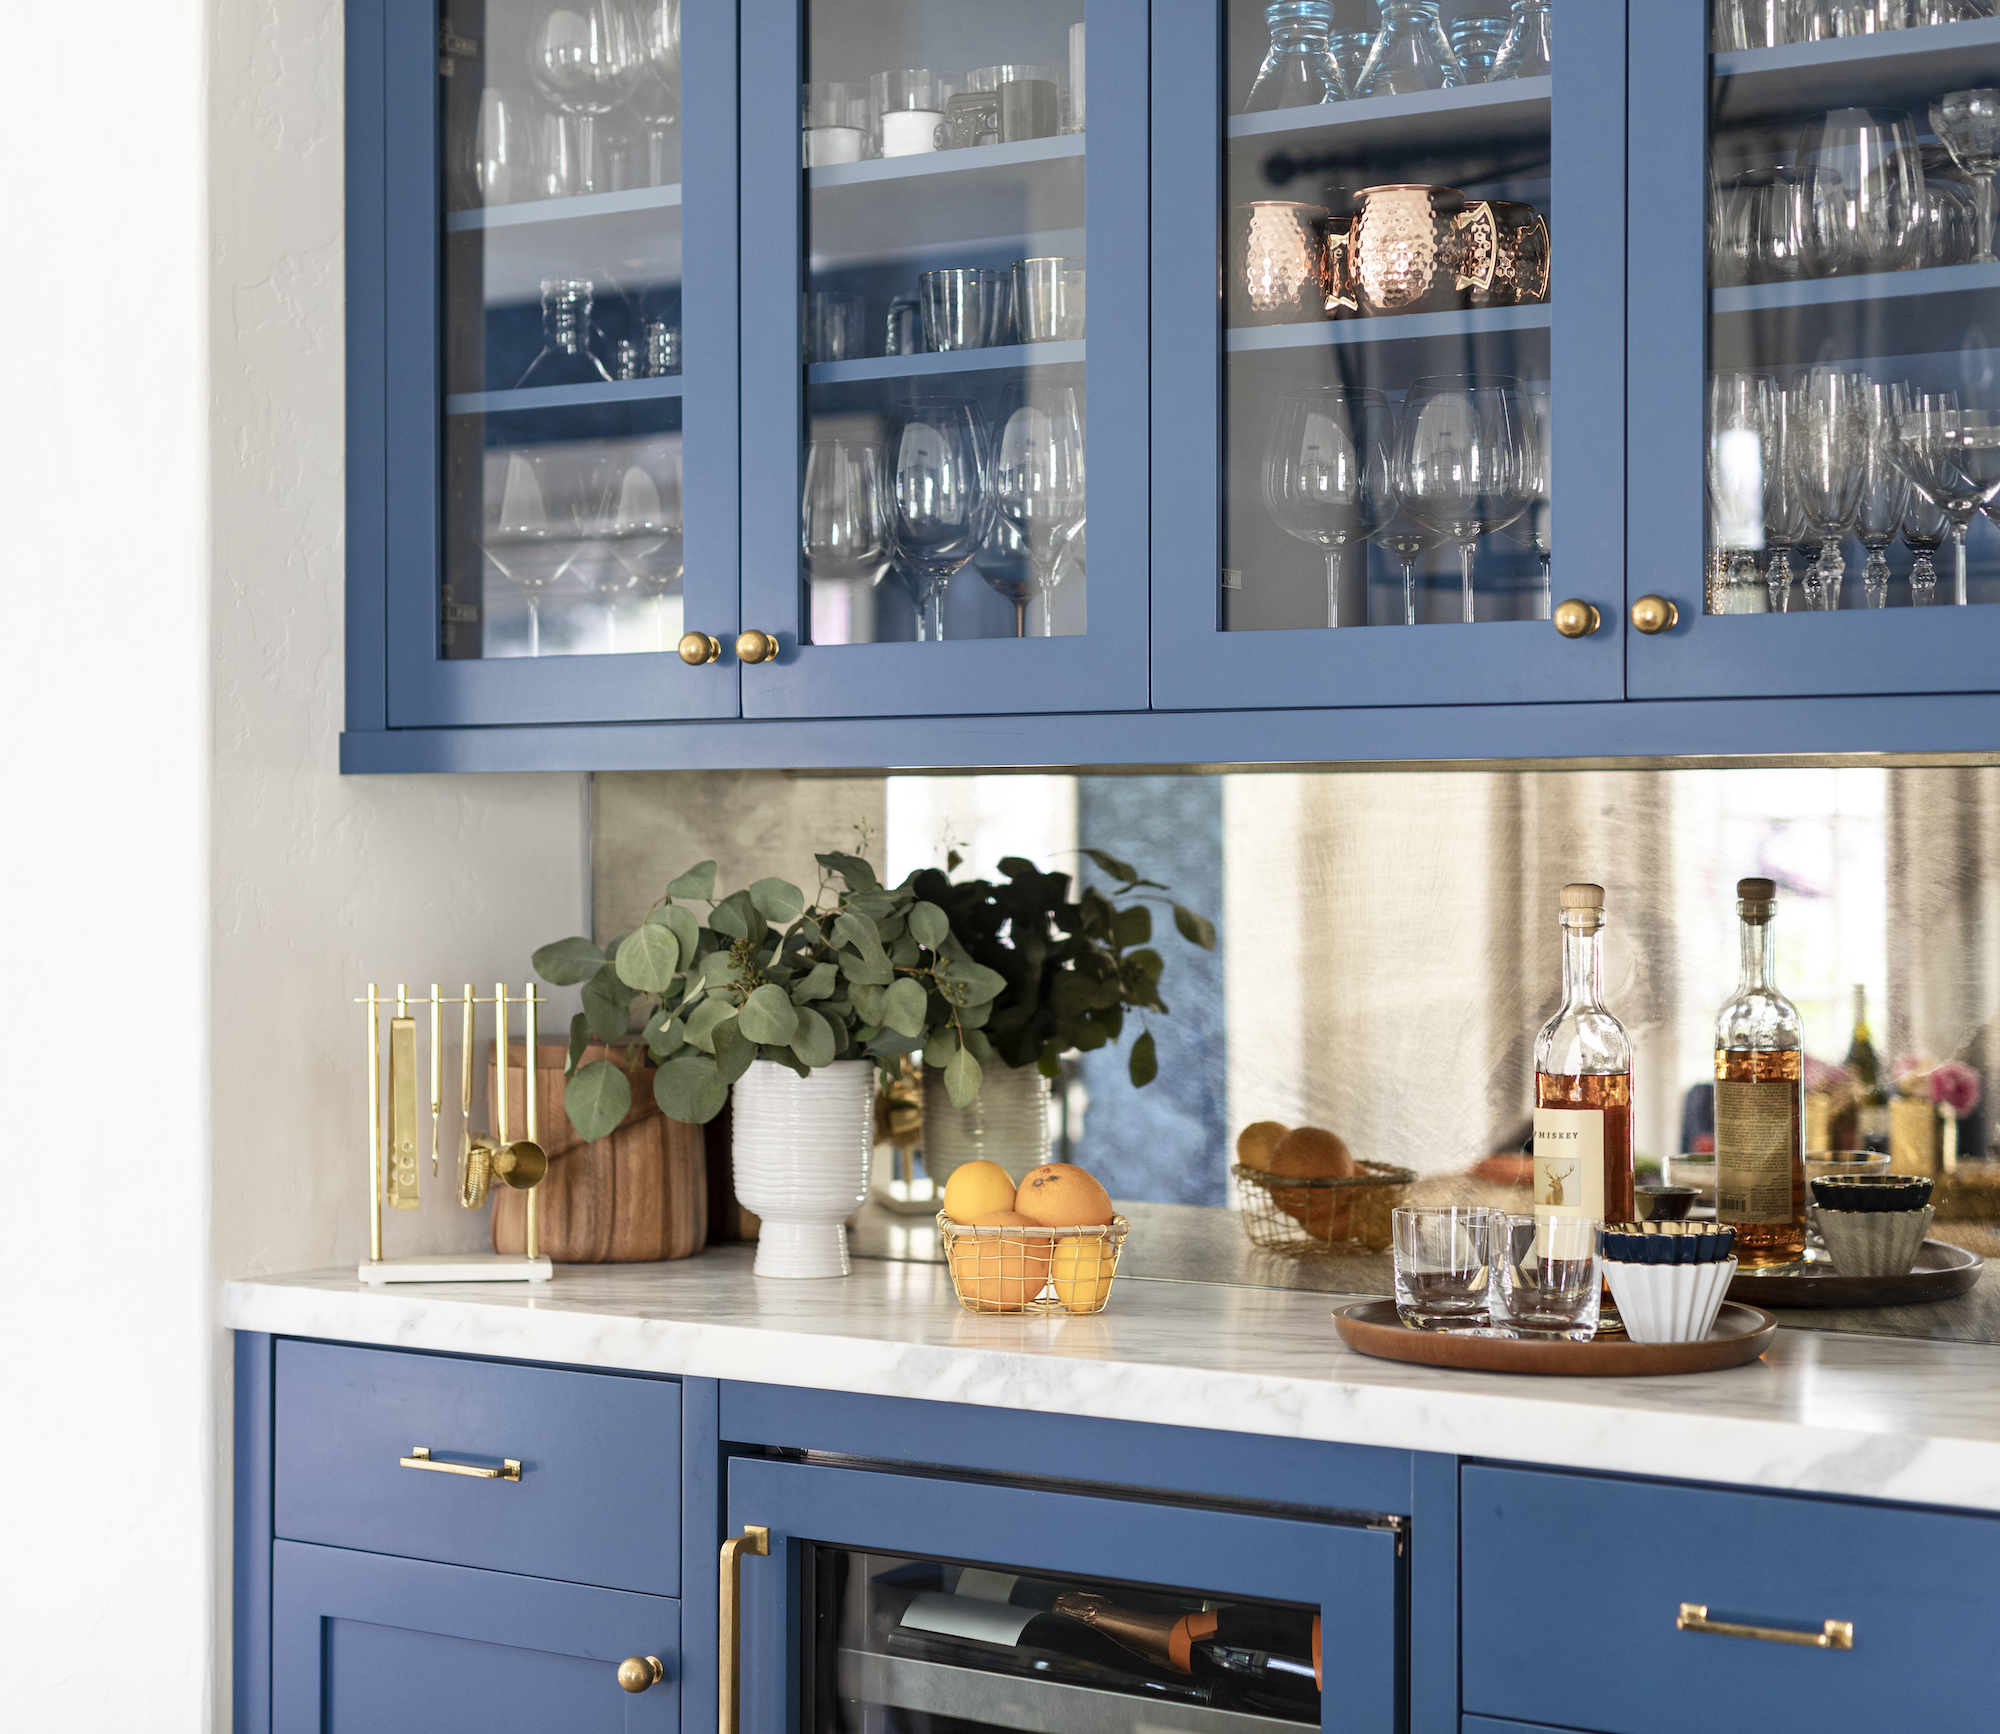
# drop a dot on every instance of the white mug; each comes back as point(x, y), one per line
point(909, 132)
point(832, 144)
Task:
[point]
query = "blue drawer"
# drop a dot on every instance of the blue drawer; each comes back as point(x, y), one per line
point(1572, 1585)
point(597, 1501)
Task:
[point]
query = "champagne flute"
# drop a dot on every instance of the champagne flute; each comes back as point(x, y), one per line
point(1784, 518)
point(1885, 486)
point(1738, 429)
point(1967, 123)
point(1038, 480)
point(938, 498)
point(1460, 460)
point(1326, 471)
point(1828, 462)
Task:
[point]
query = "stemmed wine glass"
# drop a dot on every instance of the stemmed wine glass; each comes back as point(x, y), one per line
point(527, 532)
point(1784, 518)
point(1739, 417)
point(1326, 471)
point(1953, 459)
point(843, 518)
point(1531, 528)
point(1924, 531)
point(1885, 486)
point(1038, 481)
point(1003, 562)
point(584, 57)
point(656, 92)
point(1828, 460)
point(1402, 536)
point(1967, 123)
point(939, 504)
point(1460, 461)
point(641, 525)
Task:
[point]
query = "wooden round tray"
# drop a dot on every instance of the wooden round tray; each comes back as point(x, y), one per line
point(1741, 1333)
point(1941, 1271)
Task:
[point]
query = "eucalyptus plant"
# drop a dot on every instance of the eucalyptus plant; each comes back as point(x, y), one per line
point(862, 971)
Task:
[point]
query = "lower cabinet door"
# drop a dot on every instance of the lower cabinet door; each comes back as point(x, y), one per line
point(362, 1643)
point(895, 1602)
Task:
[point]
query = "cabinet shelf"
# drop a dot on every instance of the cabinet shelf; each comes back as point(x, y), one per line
point(1839, 291)
point(1893, 66)
point(561, 396)
point(928, 165)
point(1403, 328)
point(1001, 358)
point(1432, 120)
point(1891, 313)
point(564, 210)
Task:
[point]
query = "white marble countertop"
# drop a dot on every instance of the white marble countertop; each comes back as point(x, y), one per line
point(1870, 1416)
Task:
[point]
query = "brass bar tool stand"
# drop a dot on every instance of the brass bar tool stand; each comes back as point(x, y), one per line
point(392, 1163)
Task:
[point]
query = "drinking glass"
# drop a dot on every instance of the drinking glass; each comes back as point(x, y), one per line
point(1043, 290)
point(527, 526)
point(1953, 459)
point(1532, 527)
point(1867, 187)
point(1967, 123)
point(1460, 461)
point(1408, 540)
point(585, 57)
point(1411, 52)
point(833, 326)
point(1038, 480)
point(965, 309)
point(1300, 67)
point(1828, 458)
point(1950, 224)
point(843, 518)
point(1527, 52)
point(1003, 562)
point(643, 530)
point(1885, 487)
point(1476, 40)
point(1738, 431)
point(1924, 531)
point(656, 93)
point(1736, 230)
point(939, 507)
point(1326, 471)
point(1784, 208)
point(1444, 1263)
point(1546, 1276)
point(834, 122)
point(909, 107)
point(1784, 518)
point(503, 166)
point(1752, 24)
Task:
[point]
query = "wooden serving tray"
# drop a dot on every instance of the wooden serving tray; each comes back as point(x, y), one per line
point(1741, 1334)
point(1941, 1271)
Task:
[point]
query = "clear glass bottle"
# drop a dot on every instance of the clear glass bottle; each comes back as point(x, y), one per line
point(1871, 1095)
point(1527, 50)
point(1760, 1176)
point(1300, 67)
point(1411, 52)
point(566, 357)
point(1583, 1081)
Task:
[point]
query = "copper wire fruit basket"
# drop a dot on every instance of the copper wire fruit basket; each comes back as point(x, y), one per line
point(1305, 1217)
point(1007, 1269)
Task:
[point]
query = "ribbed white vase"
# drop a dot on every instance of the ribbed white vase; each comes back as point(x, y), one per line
point(800, 1149)
point(1007, 1123)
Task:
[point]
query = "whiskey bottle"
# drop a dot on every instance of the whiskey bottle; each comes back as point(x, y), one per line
point(1583, 1082)
point(1872, 1109)
point(1760, 1175)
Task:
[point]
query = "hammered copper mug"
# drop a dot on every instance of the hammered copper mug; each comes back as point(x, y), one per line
point(1418, 249)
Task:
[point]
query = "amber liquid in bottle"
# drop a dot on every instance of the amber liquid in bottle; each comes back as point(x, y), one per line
point(1762, 1244)
point(1611, 1094)
point(1760, 1175)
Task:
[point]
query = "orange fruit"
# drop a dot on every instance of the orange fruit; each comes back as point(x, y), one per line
point(1000, 1271)
point(1082, 1268)
point(1254, 1142)
point(977, 1189)
point(1061, 1195)
point(1312, 1153)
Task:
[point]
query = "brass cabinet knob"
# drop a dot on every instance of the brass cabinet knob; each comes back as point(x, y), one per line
point(1577, 619)
point(697, 648)
point(636, 1673)
point(1652, 614)
point(755, 646)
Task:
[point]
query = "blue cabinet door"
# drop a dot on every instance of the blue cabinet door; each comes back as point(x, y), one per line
point(365, 1644)
point(1023, 564)
point(804, 1645)
point(1288, 426)
point(542, 390)
point(1711, 507)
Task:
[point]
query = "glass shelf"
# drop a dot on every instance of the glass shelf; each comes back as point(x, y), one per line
point(565, 210)
point(561, 396)
point(1394, 328)
point(1429, 118)
point(1001, 358)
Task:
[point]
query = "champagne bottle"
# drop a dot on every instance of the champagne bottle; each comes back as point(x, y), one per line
point(1760, 1177)
point(1873, 1119)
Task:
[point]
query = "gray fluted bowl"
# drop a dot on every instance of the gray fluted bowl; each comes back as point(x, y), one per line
point(1874, 1242)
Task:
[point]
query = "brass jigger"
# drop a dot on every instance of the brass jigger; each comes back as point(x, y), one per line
point(521, 1164)
point(475, 1149)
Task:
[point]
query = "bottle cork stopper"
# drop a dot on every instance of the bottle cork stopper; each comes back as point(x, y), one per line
point(1757, 890)
point(1583, 897)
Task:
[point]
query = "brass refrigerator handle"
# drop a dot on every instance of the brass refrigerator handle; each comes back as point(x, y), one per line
point(420, 1458)
point(1833, 1635)
point(729, 1683)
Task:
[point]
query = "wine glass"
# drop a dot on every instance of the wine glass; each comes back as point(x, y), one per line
point(1326, 471)
point(1408, 540)
point(656, 92)
point(1784, 518)
point(640, 523)
point(1738, 429)
point(1885, 486)
point(1828, 459)
point(1924, 531)
point(1038, 480)
point(1867, 191)
point(1460, 461)
point(1531, 528)
point(1953, 459)
point(939, 505)
point(1003, 562)
point(584, 57)
point(526, 530)
point(843, 519)
point(1967, 123)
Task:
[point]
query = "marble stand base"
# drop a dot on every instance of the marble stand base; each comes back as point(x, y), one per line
point(457, 1267)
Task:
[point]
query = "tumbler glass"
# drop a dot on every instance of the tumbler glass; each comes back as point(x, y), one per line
point(833, 326)
point(909, 107)
point(1042, 293)
point(965, 309)
point(834, 118)
point(1444, 1262)
point(1546, 1276)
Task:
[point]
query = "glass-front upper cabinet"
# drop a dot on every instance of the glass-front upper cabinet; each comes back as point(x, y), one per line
point(1408, 273)
point(568, 446)
point(1847, 419)
point(944, 358)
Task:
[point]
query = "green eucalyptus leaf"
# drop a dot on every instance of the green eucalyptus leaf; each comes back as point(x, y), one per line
point(939, 1046)
point(861, 933)
point(768, 1015)
point(975, 1017)
point(734, 1050)
point(703, 1019)
point(1086, 1037)
point(903, 1007)
point(690, 1090)
point(974, 982)
point(579, 1039)
point(817, 983)
point(1196, 929)
point(679, 920)
point(778, 900)
point(813, 1040)
point(905, 953)
point(929, 923)
point(978, 1046)
point(607, 1003)
point(1049, 1062)
point(861, 969)
point(670, 1038)
point(698, 881)
point(650, 958)
point(567, 962)
point(1133, 926)
point(731, 917)
point(868, 998)
point(1145, 1061)
point(597, 1099)
point(888, 1042)
point(717, 970)
point(855, 872)
point(1112, 865)
point(961, 1079)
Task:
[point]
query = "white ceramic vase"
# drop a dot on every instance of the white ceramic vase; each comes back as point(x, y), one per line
point(1007, 1123)
point(800, 1149)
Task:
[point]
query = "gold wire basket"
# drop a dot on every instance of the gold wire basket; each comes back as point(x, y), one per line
point(1006, 1269)
point(1306, 1217)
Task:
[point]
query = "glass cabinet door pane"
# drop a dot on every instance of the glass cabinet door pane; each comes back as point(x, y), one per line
point(903, 1645)
point(1386, 255)
point(942, 324)
point(561, 334)
point(1853, 412)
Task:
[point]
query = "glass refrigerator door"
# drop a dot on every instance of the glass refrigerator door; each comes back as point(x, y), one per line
point(1419, 255)
point(937, 436)
point(575, 540)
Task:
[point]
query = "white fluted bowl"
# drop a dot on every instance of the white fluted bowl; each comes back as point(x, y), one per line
point(1668, 1303)
point(1007, 1123)
point(800, 1149)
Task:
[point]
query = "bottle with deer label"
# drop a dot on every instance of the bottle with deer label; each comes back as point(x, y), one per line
point(1760, 1174)
point(1583, 1082)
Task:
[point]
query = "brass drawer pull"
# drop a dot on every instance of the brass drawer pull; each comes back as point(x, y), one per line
point(1834, 1635)
point(420, 1458)
point(754, 1539)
